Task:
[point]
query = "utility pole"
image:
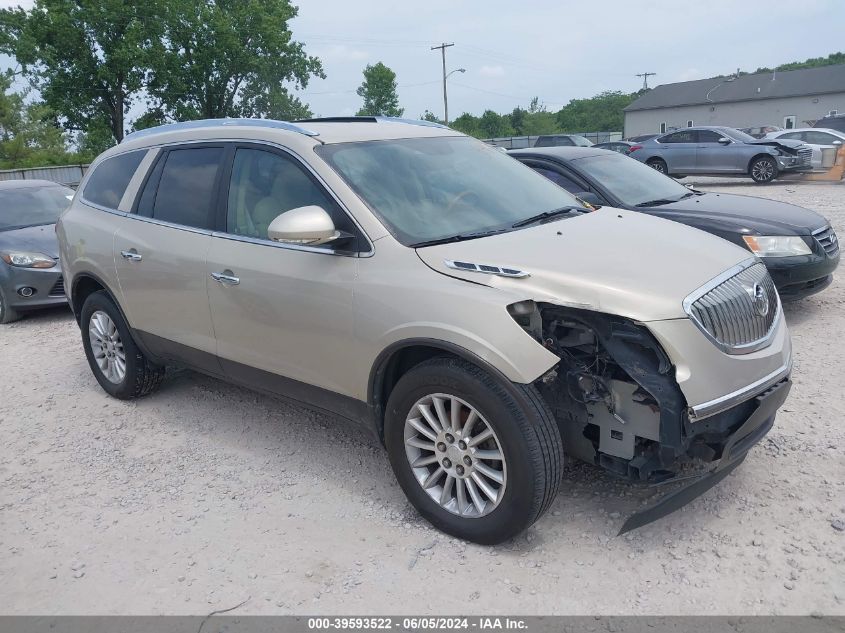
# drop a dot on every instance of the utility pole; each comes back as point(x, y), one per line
point(443, 48)
point(645, 77)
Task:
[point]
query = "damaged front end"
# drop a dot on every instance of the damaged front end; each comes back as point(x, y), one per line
point(619, 406)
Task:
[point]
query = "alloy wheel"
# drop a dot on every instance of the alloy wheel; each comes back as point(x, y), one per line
point(762, 170)
point(455, 455)
point(107, 347)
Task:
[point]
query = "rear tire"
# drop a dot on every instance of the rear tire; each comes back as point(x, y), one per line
point(506, 481)
point(763, 169)
point(7, 314)
point(116, 362)
point(658, 164)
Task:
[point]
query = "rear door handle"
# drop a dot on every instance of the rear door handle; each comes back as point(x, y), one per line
point(132, 255)
point(226, 277)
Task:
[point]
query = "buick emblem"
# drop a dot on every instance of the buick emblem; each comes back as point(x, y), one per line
point(760, 300)
point(833, 238)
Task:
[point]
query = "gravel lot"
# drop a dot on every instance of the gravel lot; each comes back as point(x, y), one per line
point(206, 495)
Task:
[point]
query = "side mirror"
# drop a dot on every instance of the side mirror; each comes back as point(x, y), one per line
point(590, 198)
point(309, 225)
point(837, 143)
point(725, 140)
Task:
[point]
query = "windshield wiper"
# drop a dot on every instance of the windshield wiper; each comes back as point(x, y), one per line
point(463, 237)
point(659, 201)
point(546, 215)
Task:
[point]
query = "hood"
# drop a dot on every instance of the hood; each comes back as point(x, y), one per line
point(742, 214)
point(38, 239)
point(787, 144)
point(620, 262)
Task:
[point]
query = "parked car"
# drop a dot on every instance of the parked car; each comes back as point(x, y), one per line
point(816, 139)
point(30, 274)
point(760, 131)
point(832, 122)
point(562, 140)
point(798, 246)
point(620, 147)
point(461, 306)
point(723, 151)
point(642, 137)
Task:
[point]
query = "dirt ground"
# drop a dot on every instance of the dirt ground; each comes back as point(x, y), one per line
point(206, 495)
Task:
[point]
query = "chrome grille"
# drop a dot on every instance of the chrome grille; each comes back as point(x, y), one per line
point(805, 157)
point(58, 289)
point(827, 239)
point(737, 311)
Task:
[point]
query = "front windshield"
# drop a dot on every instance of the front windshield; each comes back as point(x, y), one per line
point(32, 206)
point(737, 135)
point(427, 189)
point(630, 180)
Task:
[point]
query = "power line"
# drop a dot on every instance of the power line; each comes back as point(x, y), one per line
point(645, 77)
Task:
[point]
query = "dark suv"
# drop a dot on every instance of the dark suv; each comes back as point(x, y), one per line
point(832, 122)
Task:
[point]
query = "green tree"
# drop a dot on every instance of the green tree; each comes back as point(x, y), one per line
point(602, 112)
point(85, 57)
point(29, 132)
point(222, 58)
point(517, 120)
point(466, 124)
point(428, 115)
point(491, 125)
point(379, 92)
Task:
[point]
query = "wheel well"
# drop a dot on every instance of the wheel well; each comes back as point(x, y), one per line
point(391, 369)
point(760, 155)
point(82, 289)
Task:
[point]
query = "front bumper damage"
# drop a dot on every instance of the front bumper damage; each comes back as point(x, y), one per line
point(619, 406)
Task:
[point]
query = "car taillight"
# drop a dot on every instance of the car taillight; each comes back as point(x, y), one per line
point(634, 148)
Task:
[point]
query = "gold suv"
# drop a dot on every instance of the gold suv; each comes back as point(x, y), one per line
point(470, 312)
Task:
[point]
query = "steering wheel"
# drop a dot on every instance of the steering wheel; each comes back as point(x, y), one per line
point(460, 198)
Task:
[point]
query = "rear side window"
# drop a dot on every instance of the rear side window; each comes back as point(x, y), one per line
point(679, 137)
point(182, 189)
point(108, 183)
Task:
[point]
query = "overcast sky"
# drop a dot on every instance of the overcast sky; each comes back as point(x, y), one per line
point(555, 50)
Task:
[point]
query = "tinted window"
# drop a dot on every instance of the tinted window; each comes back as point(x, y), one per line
point(265, 185)
point(559, 179)
point(108, 183)
point(553, 141)
point(708, 136)
point(185, 193)
point(679, 137)
point(31, 206)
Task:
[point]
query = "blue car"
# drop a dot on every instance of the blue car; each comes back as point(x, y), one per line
point(723, 151)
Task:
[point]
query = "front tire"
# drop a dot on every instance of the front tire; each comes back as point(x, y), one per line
point(658, 164)
point(763, 169)
point(7, 314)
point(479, 458)
point(116, 362)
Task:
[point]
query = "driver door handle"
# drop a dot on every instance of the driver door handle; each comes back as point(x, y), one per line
point(132, 255)
point(226, 277)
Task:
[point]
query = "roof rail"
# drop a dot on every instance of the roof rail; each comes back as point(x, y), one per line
point(371, 119)
point(191, 125)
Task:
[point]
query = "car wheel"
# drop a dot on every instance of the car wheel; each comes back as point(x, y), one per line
point(118, 365)
point(7, 314)
point(478, 457)
point(763, 169)
point(658, 164)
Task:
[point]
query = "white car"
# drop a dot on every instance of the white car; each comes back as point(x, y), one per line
point(817, 138)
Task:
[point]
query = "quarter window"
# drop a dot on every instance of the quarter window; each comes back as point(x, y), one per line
point(186, 190)
point(108, 183)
